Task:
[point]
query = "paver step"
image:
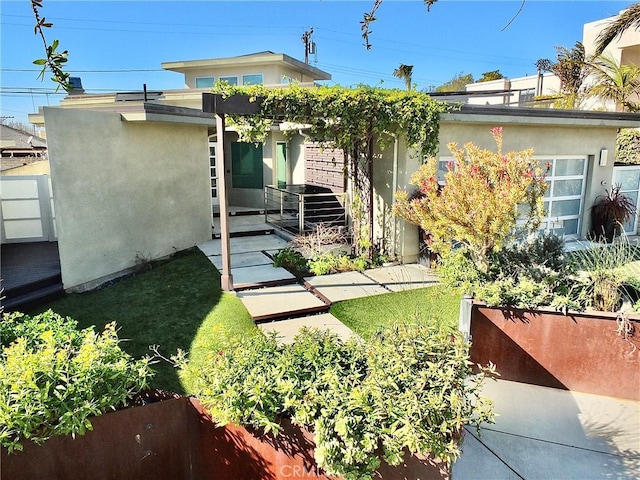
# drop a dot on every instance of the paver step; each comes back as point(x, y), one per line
point(282, 301)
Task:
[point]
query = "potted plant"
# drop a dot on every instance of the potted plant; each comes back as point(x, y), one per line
point(609, 212)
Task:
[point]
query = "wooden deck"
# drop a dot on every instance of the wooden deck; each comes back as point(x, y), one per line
point(29, 271)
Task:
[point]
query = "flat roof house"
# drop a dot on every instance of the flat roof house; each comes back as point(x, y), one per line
point(133, 177)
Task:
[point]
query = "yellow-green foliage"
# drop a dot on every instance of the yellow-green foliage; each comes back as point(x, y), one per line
point(478, 205)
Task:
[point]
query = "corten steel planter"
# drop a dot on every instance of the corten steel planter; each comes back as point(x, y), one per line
point(579, 351)
point(175, 440)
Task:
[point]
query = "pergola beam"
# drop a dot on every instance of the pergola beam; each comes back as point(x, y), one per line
point(221, 106)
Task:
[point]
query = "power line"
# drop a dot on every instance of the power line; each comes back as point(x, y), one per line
point(128, 70)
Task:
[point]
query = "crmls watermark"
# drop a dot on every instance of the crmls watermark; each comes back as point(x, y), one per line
point(299, 471)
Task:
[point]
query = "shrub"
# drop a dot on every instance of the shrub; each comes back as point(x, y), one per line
point(478, 204)
point(53, 377)
point(628, 146)
point(408, 389)
point(456, 269)
point(526, 274)
point(292, 260)
point(604, 270)
point(336, 263)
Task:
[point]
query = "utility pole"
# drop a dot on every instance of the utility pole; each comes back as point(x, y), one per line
point(306, 38)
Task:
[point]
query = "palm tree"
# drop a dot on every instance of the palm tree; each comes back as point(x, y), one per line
point(404, 72)
point(629, 18)
point(615, 81)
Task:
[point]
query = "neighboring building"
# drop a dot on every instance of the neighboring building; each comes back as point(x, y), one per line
point(522, 91)
point(19, 150)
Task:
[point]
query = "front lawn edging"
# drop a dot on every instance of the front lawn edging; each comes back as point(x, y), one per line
point(578, 351)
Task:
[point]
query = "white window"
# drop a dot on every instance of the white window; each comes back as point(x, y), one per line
point(229, 80)
point(628, 177)
point(563, 200)
point(204, 82)
point(253, 79)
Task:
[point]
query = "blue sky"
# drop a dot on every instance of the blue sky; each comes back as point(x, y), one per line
point(119, 45)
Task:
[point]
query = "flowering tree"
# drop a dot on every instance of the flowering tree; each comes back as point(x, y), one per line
point(484, 195)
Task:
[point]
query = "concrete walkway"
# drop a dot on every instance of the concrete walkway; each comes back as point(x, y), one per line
point(547, 433)
point(276, 300)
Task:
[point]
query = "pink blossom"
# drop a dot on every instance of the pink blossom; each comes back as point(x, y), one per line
point(496, 131)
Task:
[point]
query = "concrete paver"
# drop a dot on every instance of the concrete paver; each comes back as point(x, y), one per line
point(549, 433)
point(244, 244)
point(246, 276)
point(288, 329)
point(280, 301)
point(243, 223)
point(403, 277)
point(345, 286)
point(238, 260)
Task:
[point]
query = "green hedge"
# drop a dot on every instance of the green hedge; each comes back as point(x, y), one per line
point(53, 377)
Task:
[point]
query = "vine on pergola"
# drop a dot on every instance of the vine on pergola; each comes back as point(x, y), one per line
point(352, 120)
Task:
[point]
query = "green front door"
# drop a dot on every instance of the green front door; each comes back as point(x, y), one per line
point(281, 163)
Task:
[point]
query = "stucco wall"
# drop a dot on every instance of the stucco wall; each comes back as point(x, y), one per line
point(402, 238)
point(545, 140)
point(124, 190)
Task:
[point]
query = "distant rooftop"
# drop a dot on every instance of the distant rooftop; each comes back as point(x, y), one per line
point(250, 59)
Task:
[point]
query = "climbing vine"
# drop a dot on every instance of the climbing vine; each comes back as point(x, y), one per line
point(353, 120)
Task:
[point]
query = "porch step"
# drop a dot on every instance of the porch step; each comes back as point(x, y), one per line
point(248, 233)
point(31, 295)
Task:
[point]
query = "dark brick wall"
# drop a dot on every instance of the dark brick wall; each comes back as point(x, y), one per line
point(324, 167)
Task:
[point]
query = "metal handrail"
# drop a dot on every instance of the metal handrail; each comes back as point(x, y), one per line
point(290, 208)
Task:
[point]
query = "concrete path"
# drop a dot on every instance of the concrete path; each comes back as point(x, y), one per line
point(546, 433)
point(271, 294)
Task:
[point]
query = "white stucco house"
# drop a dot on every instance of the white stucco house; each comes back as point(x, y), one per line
point(135, 177)
point(521, 91)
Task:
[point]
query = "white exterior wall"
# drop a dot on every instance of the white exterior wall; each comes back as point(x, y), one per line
point(123, 190)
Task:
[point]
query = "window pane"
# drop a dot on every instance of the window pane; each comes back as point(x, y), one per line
point(561, 208)
point(563, 188)
point(204, 82)
point(570, 227)
point(629, 225)
point(229, 80)
point(629, 179)
point(569, 166)
point(547, 192)
point(252, 79)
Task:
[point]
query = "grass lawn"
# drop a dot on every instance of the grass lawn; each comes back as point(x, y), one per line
point(367, 315)
point(177, 305)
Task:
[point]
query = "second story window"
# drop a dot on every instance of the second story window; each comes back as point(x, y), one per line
point(254, 79)
point(229, 80)
point(204, 82)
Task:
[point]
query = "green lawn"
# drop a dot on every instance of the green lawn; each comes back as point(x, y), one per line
point(367, 315)
point(179, 305)
point(176, 305)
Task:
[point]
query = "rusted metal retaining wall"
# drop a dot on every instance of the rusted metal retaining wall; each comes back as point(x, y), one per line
point(175, 440)
point(580, 352)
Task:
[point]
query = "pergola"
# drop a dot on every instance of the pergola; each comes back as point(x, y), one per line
point(220, 107)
